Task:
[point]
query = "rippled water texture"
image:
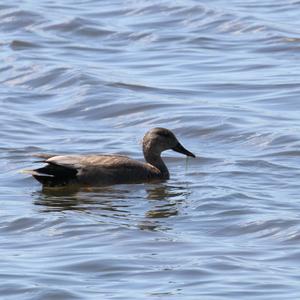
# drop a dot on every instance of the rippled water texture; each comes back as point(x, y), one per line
point(94, 76)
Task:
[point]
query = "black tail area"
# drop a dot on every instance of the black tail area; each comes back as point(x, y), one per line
point(55, 175)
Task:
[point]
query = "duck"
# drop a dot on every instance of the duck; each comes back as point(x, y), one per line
point(109, 169)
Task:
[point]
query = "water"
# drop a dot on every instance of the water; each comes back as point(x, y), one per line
point(90, 76)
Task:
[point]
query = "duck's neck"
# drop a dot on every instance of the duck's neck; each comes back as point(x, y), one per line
point(155, 160)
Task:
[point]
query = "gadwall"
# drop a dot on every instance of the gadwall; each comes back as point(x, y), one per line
point(97, 170)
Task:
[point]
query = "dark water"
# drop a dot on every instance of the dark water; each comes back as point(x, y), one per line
point(94, 76)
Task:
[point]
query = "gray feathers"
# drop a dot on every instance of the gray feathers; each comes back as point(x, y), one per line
point(95, 170)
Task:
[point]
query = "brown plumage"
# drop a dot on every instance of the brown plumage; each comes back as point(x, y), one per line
point(97, 170)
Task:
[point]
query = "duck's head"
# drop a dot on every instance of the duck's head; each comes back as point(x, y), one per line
point(158, 140)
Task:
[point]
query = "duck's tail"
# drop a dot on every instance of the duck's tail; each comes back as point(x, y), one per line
point(53, 175)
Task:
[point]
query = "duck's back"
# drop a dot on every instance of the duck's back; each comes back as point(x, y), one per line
point(94, 170)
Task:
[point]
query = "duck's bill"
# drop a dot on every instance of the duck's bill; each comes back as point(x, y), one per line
point(179, 148)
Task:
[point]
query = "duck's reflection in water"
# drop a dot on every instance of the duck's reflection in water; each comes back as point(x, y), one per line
point(145, 205)
point(81, 199)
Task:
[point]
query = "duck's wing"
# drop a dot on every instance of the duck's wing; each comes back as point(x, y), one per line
point(43, 156)
point(93, 170)
point(107, 169)
point(60, 169)
point(54, 173)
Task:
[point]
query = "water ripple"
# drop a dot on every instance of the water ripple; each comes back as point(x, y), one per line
point(85, 77)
